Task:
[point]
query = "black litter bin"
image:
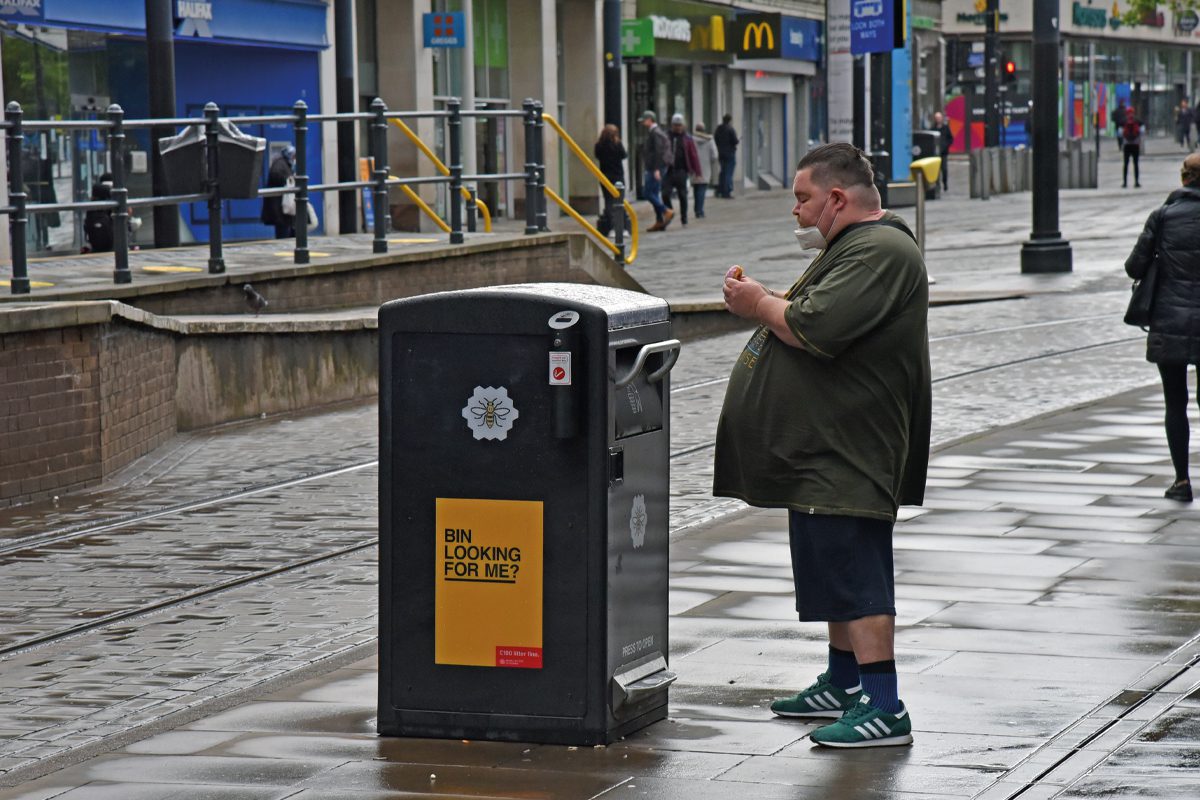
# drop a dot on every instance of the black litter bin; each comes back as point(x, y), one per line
point(523, 497)
point(239, 161)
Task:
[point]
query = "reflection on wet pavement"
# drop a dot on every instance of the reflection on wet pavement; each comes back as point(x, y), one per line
point(1047, 647)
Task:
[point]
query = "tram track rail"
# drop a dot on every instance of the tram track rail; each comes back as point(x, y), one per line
point(966, 334)
point(938, 380)
point(179, 599)
point(69, 533)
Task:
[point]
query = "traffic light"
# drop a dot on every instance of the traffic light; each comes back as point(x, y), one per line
point(1009, 71)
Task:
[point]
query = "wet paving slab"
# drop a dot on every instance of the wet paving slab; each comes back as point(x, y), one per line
point(1011, 640)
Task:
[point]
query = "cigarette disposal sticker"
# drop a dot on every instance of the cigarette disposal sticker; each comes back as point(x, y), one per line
point(488, 583)
point(560, 368)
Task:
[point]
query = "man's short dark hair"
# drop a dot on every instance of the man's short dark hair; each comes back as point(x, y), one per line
point(1190, 171)
point(727, 118)
point(838, 164)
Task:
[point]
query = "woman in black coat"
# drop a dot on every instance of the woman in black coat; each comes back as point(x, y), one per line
point(1173, 233)
point(610, 155)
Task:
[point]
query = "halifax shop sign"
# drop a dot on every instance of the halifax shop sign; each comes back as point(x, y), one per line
point(19, 11)
point(876, 26)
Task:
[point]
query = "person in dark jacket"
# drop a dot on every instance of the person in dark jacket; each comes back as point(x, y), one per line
point(1172, 235)
point(98, 223)
point(272, 208)
point(727, 141)
point(1183, 124)
point(1118, 118)
point(1133, 133)
point(685, 161)
point(655, 164)
point(610, 155)
point(945, 142)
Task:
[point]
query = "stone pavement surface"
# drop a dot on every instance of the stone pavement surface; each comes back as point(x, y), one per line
point(195, 531)
point(1047, 645)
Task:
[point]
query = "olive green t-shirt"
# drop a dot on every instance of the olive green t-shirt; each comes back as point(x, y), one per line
point(840, 426)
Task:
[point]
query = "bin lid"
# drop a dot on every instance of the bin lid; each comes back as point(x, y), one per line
point(227, 133)
point(624, 309)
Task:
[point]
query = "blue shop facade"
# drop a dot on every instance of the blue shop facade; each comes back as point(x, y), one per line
point(69, 59)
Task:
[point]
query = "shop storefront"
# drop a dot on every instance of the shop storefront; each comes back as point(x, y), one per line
point(676, 56)
point(783, 110)
point(1104, 61)
point(69, 59)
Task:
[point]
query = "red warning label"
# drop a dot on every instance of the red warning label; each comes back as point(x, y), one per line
point(526, 657)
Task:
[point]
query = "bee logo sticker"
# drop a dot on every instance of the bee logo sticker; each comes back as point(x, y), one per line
point(490, 413)
point(637, 521)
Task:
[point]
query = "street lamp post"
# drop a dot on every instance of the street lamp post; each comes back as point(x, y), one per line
point(1046, 250)
point(991, 123)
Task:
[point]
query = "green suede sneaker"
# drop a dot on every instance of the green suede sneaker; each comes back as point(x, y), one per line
point(866, 726)
point(822, 699)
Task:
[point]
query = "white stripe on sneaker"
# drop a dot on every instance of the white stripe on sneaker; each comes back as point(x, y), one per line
point(885, 728)
point(866, 733)
point(874, 727)
point(814, 702)
point(833, 703)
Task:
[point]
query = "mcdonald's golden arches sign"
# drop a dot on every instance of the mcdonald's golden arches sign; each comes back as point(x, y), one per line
point(758, 35)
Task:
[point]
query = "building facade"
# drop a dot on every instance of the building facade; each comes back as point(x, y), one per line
point(1104, 62)
point(69, 59)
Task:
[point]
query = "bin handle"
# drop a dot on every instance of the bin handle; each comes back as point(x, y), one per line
point(669, 346)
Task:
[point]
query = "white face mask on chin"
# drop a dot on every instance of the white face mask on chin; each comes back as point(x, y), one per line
point(810, 237)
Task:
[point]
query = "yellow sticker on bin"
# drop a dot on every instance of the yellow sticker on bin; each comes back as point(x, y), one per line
point(488, 583)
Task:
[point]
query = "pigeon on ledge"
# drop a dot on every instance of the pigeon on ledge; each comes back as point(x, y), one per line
point(254, 301)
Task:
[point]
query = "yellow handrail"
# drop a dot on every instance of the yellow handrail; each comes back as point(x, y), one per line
point(442, 168)
point(604, 182)
point(421, 204)
point(587, 226)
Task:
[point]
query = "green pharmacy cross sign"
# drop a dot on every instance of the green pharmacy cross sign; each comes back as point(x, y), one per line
point(637, 38)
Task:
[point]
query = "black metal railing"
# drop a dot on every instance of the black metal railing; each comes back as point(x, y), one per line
point(115, 126)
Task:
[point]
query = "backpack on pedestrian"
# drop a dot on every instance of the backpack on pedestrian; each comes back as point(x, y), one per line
point(98, 230)
point(1132, 130)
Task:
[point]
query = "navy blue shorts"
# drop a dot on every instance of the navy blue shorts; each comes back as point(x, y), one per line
point(842, 567)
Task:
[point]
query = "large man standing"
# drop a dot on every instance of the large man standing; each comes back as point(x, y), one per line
point(827, 414)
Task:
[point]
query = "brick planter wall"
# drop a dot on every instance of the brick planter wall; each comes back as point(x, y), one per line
point(79, 402)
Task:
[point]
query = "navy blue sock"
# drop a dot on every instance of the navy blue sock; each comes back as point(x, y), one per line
point(843, 669)
point(879, 682)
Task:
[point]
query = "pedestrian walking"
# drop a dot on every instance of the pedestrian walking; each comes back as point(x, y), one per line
point(685, 162)
point(654, 164)
point(275, 208)
point(1132, 135)
point(610, 155)
point(1170, 241)
point(1184, 117)
point(706, 148)
point(945, 142)
point(98, 222)
point(827, 414)
point(727, 142)
point(1118, 117)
